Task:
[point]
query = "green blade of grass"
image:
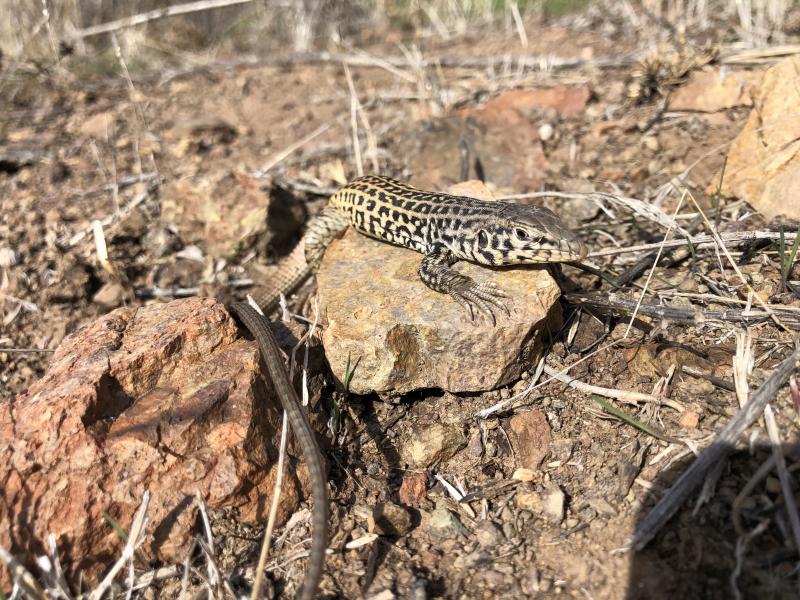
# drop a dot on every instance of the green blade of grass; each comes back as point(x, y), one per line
point(623, 416)
point(115, 526)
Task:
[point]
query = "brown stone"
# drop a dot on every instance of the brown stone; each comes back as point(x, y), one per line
point(412, 489)
point(98, 126)
point(713, 90)
point(388, 518)
point(690, 420)
point(504, 141)
point(530, 436)
point(432, 444)
point(164, 398)
point(763, 165)
point(403, 336)
point(226, 211)
point(567, 101)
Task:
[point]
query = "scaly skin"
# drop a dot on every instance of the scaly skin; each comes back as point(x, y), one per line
point(443, 227)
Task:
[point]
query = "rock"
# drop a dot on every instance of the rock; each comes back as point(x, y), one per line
point(689, 419)
point(763, 165)
point(412, 489)
point(444, 524)
point(549, 503)
point(530, 436)
point(406, 337)
point(488, 534)
point(165, 398)
point(474, 188)
point(504, 144)
point(98, 126)
point(553, 504)
point(529, 500)
point(387, 518)
point(475, 445)
point(198, 135)
point(8, 257)
point(567, 101)
point(546, 131)
point(110, 295)
point(713, 90)
point(523, 474)
point(433, 444)
point(225, 211)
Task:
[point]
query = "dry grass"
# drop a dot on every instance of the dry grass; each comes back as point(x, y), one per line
point(49, 32)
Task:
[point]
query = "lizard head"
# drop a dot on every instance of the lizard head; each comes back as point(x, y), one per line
point(520, 234)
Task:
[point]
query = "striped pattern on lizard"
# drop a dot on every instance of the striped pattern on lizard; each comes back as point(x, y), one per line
point(443, 227)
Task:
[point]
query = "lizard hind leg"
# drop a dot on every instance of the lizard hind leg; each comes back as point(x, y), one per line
point(437, 273)
point(322, 230)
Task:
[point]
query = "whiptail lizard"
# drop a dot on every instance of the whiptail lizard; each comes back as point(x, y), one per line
point(443, 227)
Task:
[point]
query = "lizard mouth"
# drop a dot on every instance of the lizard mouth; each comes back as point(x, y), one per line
point(566, 251)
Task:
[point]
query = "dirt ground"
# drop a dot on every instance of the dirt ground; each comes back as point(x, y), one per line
point(143, 154)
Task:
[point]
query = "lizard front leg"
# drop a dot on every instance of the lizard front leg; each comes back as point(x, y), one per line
point(436, 272)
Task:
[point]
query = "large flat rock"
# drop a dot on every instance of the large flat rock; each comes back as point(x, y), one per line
point(407, 337)
point(764, 162)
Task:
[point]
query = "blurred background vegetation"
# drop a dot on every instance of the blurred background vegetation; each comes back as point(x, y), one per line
point(45, 32)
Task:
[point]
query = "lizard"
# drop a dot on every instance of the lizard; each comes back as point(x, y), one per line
point(443, 227)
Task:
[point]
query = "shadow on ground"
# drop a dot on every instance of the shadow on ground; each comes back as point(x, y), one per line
point(695, 555)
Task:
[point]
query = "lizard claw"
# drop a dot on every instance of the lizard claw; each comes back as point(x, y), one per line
point(482, 296)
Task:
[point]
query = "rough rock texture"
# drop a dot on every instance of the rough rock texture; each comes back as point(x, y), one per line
point(712, 90)
point(432, 444)
point(162, 398)
point(225, 210)
point(567, 101)
point(404, 336)
point(764, 161)
point(530, 435)
point(503, 136)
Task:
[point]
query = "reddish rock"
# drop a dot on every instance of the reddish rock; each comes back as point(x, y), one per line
point(412, 489)
point(530, 436)
point(567, 101)
point(164, 398)
point(503, 138)
point(689, 420)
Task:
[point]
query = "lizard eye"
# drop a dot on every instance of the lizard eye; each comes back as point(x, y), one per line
point(521, 234)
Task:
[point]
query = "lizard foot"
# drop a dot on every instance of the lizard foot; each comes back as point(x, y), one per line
point(481, 296)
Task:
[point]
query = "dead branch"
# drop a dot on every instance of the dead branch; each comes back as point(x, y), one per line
point(618, 304)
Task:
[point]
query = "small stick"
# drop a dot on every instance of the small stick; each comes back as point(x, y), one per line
point(273, 512)
point(653, 268)
point(159, 13)
point(698, 241)
point(624, 395)
point(783, 474)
